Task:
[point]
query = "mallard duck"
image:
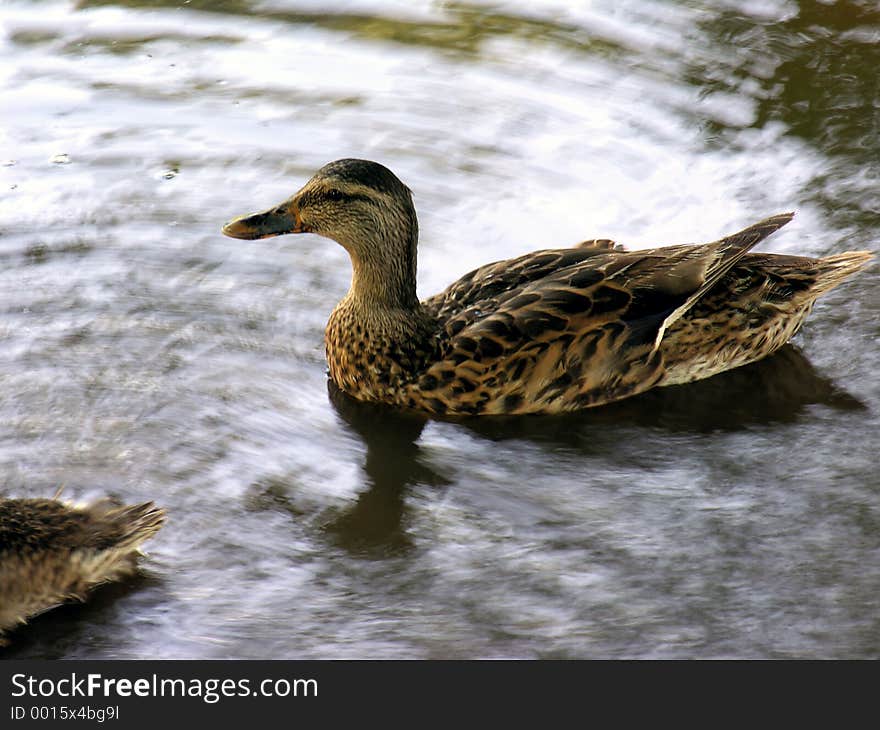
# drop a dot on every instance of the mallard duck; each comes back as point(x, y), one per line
point(52, 551)
point(551, 331)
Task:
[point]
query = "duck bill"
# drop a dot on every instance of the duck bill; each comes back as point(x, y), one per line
point(276, 221)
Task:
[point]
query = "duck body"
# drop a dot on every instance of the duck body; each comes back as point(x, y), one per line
point(52, 552)
point(548, 332)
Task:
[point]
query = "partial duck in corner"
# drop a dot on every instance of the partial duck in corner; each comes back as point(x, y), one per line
point(552, 331)
point(52, 552)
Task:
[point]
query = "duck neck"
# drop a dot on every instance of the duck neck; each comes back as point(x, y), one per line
point(379, 335)
point(384, 272)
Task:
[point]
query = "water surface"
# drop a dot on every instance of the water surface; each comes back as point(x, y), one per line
point(145, 356)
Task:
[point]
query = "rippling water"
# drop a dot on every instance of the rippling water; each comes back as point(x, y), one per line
point(145, 356)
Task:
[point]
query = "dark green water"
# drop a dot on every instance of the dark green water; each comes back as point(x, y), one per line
point(145, 356)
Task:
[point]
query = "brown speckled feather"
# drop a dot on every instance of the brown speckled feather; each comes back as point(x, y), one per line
point(52, 552)
point(551, 331)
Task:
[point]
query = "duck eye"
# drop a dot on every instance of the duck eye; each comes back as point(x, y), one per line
point(334, 194)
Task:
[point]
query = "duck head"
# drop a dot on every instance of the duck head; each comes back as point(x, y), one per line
point(365, 208)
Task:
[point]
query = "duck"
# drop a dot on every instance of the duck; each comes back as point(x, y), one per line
point(53, 551)
point(551, 331)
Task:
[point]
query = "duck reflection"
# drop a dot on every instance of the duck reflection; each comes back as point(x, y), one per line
point(777, 389)
point(375, 524)
point(52, 634)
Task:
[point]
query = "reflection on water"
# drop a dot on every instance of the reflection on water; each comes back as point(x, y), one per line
point(144, 356)
point(811, 72)
point(776, 389)
point(55, 634)
point(391, 465)
point(461, 28)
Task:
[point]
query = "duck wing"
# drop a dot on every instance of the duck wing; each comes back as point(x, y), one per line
point(722, 256)
point(491, 284)
point(569, 328)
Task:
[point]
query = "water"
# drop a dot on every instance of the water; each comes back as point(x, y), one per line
point(145, 356)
